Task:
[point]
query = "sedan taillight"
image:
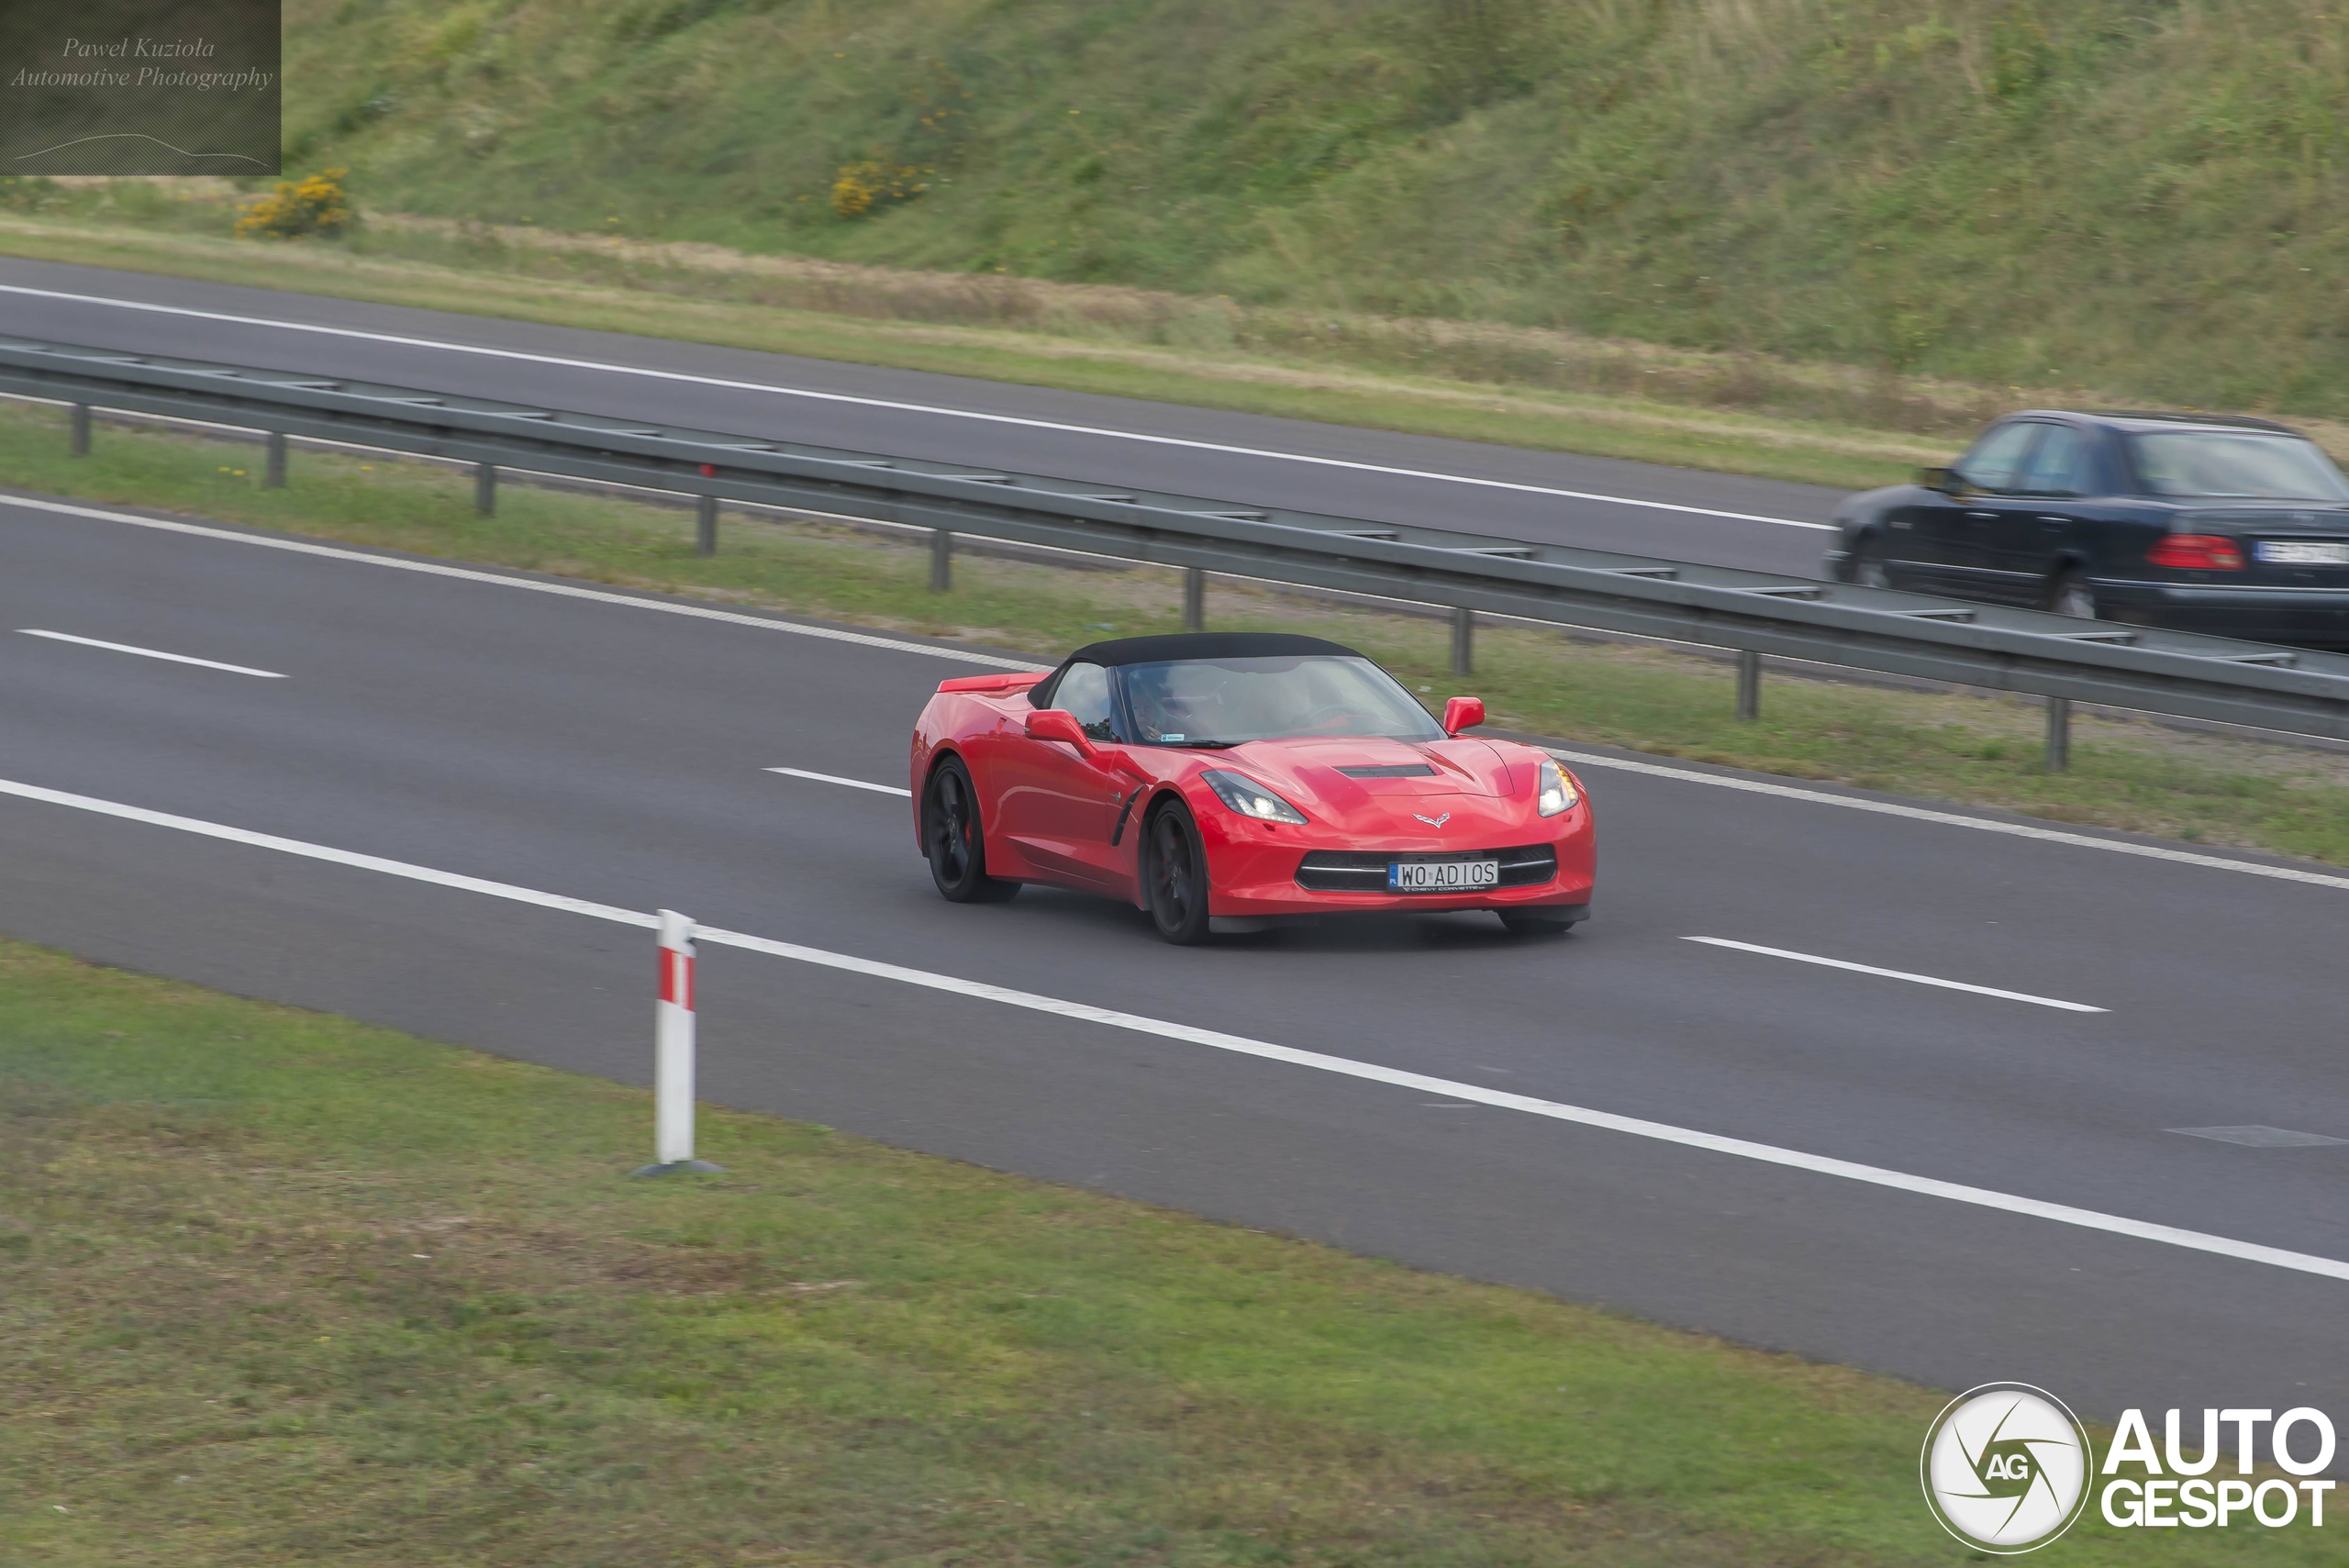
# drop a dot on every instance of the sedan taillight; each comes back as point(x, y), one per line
point(2197, 552)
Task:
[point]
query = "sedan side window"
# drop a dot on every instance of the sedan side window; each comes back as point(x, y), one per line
point(1998, 457)
point(2065, 464)
point(1085, 691)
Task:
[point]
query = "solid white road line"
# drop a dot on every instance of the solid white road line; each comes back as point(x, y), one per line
point(1896, 974)
point(151, 653)
point(563, 590)
point(1240, 1045)
point(323, 853)
point(1951, 820)
point(609, 368)
point(835, 778)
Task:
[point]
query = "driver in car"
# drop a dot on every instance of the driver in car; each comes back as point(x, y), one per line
point(1177, 702)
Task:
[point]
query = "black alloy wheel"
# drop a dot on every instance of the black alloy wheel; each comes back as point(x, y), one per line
point(1174, 876)
point(2069, 594)
point(1867, 565)
point(951, 839)
point(1534, 923)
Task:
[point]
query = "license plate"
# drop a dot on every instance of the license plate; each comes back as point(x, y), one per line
point(2303, 553)
point(1442, 876)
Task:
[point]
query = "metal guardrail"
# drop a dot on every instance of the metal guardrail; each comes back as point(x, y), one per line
point(2291, 690)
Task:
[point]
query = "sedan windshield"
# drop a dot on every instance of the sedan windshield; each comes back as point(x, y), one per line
point(2237, 463)
point(1200, 701)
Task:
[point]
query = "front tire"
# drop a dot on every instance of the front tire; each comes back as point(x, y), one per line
point(954, 841)
point(2069, 594)
point(1867, 565)
point(1174, 876)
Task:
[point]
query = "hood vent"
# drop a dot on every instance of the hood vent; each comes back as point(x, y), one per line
point(1391, 771)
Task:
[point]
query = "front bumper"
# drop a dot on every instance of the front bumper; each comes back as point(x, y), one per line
point(1253, 868)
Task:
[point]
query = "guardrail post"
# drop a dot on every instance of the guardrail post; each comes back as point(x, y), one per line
point(941, 559)
point(672, 1062)
point(80, 447)
point(486, 488)
point(1463, 642)
point(2059, 734)
point(706, 526)
point(1195, 599)
point(273, 474)
point(1749, 685)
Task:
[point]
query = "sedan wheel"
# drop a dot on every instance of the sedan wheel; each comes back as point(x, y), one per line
point(952, 841)
point(1175, 878)
point(2071, 595)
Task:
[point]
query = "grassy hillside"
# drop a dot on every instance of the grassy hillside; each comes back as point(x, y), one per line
point(2143, 195)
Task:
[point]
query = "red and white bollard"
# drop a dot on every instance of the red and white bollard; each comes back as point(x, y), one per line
point(673, 1063)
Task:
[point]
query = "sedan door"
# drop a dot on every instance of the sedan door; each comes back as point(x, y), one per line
point(1925, 541)
point(2042, 525)
point(1955, 541)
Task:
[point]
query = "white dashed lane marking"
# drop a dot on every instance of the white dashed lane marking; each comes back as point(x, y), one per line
point(151, 653)
point(1896, 974)
point(836, 779)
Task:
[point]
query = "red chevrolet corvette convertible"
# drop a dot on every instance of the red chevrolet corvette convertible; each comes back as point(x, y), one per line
point(1220, 781)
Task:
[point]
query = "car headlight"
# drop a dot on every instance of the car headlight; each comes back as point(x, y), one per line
point(1250, 798)
point(1553, 791)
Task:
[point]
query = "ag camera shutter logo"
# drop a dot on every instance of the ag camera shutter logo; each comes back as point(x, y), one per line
point(2007, 1468)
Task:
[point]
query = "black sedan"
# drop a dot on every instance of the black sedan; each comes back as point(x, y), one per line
point(2239, 528)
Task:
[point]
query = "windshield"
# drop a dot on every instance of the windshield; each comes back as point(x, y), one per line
point(2237, 463)
point(1194, 702)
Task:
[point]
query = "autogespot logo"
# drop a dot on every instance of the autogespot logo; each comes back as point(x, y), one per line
point(2006, 1467)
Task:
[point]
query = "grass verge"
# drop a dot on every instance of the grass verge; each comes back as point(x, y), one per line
point(280, 1288)
point(1977, 750)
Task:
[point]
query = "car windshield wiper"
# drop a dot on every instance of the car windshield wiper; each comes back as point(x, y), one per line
point(1205, 745)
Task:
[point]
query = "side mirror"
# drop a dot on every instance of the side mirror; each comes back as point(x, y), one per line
point(1462, 713)
point(1059, 724)
point(1944, 479)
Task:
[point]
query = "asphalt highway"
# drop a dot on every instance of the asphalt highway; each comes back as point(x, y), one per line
point(1547, 497)
point(589, 747)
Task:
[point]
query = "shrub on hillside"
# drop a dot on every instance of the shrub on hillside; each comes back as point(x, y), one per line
point(860, 188)
point(298, 209)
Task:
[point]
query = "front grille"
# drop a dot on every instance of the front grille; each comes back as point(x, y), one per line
point(1390, 771)
point(1364, 870)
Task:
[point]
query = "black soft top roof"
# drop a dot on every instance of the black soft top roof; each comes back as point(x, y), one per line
point(1205, 645)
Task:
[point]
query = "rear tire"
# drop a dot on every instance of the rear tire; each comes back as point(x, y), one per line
point(1174, 876)
point(2069, 594)
point(954, 841)
point(1534, 923)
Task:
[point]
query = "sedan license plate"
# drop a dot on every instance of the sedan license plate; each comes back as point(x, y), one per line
point(1442, 876)
point(2303, 553)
